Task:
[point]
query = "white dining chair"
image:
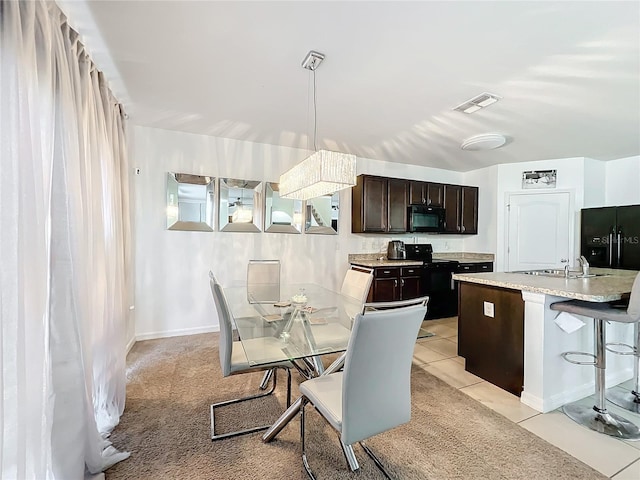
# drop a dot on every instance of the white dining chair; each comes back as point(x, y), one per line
point(373, 392)
point(356, 283)
point(233, 360)
point(263, 281)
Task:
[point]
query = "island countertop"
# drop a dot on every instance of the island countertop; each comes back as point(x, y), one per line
point(608, 288)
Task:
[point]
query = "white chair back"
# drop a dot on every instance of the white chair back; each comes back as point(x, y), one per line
point(263, 281)
point(226, 327)
point(376, 384)
point(633, 310)
point(356, 284)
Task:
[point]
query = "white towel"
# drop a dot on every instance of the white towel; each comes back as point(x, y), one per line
point(569, 323)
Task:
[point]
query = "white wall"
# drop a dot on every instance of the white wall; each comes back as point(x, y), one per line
point(570, 176)
point(172, 294)
point(594, 183)
point(171, 288)
point(623, 182)
point(486, 179)
point(595, 173)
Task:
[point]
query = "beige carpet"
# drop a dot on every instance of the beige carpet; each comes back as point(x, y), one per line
point(166, 428)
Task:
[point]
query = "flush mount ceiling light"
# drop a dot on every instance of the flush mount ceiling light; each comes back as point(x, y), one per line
point(486, 141)
point(324, 172)
point(476, 103)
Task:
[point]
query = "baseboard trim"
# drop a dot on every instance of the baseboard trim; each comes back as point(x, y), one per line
point(574, 394)
point(177, 333)
point(130, 345)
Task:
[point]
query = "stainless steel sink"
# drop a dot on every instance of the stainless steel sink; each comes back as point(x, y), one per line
point(561, 273)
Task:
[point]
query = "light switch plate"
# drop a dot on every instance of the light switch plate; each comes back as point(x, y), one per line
point(488, 309)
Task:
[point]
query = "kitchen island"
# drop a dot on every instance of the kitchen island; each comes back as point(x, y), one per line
point(507, 331)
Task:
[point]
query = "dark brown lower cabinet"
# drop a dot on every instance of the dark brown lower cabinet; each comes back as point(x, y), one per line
point(493, 347)
point(395, 283)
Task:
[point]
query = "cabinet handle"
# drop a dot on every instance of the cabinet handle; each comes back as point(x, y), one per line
point(395, 283)
point(402, 282)
point(463, 229)
point(386, 271)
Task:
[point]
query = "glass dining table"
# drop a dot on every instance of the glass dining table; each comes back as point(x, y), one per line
point(317, 322)
point(308, 321)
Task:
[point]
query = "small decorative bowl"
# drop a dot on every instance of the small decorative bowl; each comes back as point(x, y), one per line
point(299, 301)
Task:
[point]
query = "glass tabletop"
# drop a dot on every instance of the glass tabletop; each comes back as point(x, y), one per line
point(308, 320)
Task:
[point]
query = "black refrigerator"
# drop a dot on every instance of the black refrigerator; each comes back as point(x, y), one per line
point(610, 236)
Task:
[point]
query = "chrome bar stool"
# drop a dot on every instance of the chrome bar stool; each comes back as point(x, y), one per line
point(625, 399)
point(598, 418)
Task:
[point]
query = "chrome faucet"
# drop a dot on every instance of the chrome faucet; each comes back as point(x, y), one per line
point(584, 264)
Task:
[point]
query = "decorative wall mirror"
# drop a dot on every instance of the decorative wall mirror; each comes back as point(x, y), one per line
point(322, 213)
point(240, 205)
point(282, 215)
point(190, 202)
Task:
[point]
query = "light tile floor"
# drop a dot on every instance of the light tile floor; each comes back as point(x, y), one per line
point(614, 458)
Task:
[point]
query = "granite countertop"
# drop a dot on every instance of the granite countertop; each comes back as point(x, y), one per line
point(373, 260)
point(594, 289)
point(464, 257)
point(386, 263)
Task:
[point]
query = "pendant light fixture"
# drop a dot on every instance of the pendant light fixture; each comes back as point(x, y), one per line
point(323, 172)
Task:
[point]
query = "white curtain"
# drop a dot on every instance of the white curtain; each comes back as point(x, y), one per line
point(64, 251)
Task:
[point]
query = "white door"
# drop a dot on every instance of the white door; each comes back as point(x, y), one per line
point(539, 230)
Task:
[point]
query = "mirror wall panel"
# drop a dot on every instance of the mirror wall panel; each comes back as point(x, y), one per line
point(322, 214)
point(282, 215)
point(240, 206)
point(190, 202)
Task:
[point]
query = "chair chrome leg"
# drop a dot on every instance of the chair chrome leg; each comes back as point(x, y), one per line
point(598, 418)
point(292, 411)
point(288, 387)
point(212, 408)
point(304, 455)
point(375, 459)
point(265, 379)
point(350, 456)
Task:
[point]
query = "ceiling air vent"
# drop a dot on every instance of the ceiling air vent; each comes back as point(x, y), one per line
point(476, 103)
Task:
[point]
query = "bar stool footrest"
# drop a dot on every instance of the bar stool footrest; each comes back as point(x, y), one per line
point(566, 355)
point(602, 422)
point(631, 349)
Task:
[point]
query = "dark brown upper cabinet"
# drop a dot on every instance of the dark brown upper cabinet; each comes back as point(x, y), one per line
point(426, 193)
point(379, 205)
point(461, 209)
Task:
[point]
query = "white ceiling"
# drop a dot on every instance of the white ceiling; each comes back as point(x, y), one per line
point(568, 72)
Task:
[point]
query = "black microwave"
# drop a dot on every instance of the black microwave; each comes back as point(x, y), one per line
point(421, 218)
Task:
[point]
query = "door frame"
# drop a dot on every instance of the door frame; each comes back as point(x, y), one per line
point(572, 220)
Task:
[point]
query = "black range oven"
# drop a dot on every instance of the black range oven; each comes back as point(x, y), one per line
point(435, 281)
